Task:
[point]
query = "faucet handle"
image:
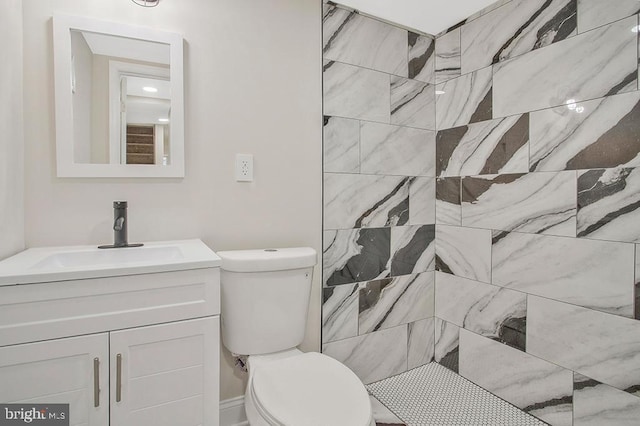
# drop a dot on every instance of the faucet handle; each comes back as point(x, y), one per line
point(117, 225)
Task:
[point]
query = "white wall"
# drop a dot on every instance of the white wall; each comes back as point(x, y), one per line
point(11, 135)
point(252, 85)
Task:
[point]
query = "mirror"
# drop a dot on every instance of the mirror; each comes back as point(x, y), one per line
point(119, 100)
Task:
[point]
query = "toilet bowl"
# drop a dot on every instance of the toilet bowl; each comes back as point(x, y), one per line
point(264, 306)
point(304, 389)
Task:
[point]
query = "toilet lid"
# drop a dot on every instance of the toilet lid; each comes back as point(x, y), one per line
point(311, 389)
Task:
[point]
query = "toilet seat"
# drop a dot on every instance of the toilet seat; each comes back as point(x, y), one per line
point(310, 389)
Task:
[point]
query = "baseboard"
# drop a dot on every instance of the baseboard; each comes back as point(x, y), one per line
point(232, 412)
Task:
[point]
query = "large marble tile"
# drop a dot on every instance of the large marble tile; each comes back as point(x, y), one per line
point(354, 201)
point(601, 133)
point(421, 342)
point(422, 201)
point(466, 99)
point(341, 145)
point(609, 204)
point(355, 92)
point(359, 40)
point(448, 56)
point(637, 284)
point(352, 255)
point(598, 345)
point(488, 310)
point(588, 66)
point(594, 274)
point(539, 203)
point(447, 344)
point(465, 252)
point(531, 384)
point(412, 249)
point(394, 301)
point(396, 150)
point(413, 103)
point(339, 312)
point(448, 201)
point(595, 13)
point(489, 147)
point(596, 404)
point(422, 51)
point(515, 29)
point(373, 356)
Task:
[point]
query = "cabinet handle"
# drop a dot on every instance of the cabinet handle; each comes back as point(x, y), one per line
point(96, 382)
point(118, 377)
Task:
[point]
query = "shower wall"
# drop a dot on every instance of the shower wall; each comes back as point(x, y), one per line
point(379, 195)
point(527, 164)
point(538, 207)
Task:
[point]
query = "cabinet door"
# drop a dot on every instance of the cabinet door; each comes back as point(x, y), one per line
point(61, 371)
point(166, 375)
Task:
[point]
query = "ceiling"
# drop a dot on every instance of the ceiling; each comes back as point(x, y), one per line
point(429, 16)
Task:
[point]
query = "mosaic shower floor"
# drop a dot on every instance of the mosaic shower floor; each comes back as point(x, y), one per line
point(433, 395)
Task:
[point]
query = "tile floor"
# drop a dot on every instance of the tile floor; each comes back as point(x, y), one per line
point(433, 395)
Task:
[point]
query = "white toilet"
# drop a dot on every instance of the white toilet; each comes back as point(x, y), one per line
point(265, 297)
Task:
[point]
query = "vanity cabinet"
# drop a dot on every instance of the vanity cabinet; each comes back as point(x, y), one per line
point(122, 351)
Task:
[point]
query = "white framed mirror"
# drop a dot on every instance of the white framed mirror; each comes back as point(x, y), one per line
point(119, 106)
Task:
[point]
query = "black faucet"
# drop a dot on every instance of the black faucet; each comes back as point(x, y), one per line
point(120, 239)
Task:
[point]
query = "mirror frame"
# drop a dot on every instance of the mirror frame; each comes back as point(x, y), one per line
point(66, 167)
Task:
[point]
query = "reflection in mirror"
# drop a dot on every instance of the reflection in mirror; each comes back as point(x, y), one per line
point(124, 93)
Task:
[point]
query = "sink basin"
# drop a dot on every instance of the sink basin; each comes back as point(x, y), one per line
point(48, 264)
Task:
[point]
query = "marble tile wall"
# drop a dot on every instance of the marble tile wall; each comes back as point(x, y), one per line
point(493, 182)
point(379, 193)
point(538, 207)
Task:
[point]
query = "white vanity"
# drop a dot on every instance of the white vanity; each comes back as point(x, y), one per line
point(125, 336)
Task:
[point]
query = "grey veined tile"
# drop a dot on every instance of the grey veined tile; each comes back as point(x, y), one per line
point(515, 29)
point(539, 203)
point(598, 345)
point(358, 40)
point(488, 310)
point(421, 342)
point(355, 201)
point(373, 356)
point(396, 150)
point(588, 66)
point(447, 344)
point(352, 255)
point(355, 92)
point(465, 252)
point(448, 201)
point(412, 249)
point(531, 384)
point(463, 100)
point(448, 56)
point(602, 133)
point(394, 301)
point(637, 284)
point(609, 204)
point(422, 201)
point(594, 13)
point(422, 58)
point(590, 273)
point(339, 312)
point(413, 103)
point(341, 145)
point(489, 147)
point(597, 404)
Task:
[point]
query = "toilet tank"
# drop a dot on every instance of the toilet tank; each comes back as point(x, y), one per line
point(265, 298)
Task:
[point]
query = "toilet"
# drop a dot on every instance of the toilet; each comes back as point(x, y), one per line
point(265, 298)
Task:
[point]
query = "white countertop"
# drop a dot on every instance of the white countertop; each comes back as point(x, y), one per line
point(47, 264)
